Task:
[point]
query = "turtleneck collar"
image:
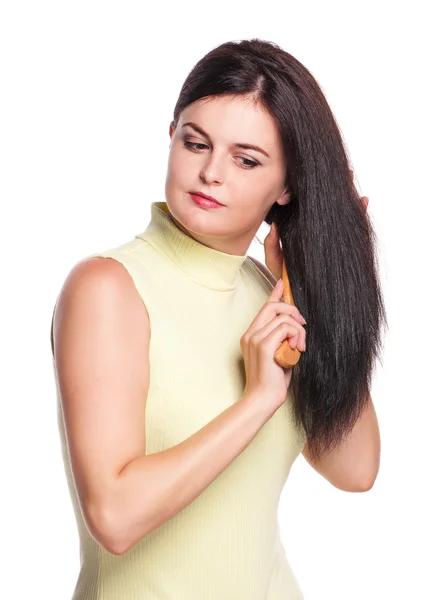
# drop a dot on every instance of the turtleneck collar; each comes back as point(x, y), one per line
point(206, 266)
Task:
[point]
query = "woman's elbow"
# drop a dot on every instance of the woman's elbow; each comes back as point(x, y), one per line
point(106, 530)
point(363, 483)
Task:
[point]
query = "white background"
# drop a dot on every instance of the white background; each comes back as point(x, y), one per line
point(87, 93)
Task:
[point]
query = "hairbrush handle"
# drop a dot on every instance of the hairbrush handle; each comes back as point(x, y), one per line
point(286, 356)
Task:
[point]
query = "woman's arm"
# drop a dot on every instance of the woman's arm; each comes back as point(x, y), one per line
point(353, 465)
point(101, 344)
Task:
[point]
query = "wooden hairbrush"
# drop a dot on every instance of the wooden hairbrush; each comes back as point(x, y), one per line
point(286, 356)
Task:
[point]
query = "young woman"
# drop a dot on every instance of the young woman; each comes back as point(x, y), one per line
point(178, 427)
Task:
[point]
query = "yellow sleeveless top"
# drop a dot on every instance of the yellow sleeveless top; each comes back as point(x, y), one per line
point(226, 544)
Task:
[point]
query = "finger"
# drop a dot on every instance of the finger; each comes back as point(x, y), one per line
point(272, 308)
point(273, 254)
point(262, 317)
point(277, 291)
point(274, 340)
point(298, 341)
point(274, 264)
point(290, 309)
point(273, 237)
point(297, 338)
point(274, 230)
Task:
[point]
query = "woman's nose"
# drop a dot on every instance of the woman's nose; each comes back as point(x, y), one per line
point(213, 171)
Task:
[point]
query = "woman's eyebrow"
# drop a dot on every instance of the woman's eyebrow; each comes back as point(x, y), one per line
point(201, 131)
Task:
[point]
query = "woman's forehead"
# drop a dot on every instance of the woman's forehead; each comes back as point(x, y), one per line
point(233, 120)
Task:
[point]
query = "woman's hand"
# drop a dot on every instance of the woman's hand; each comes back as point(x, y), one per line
point(273, 250)
point(275, 323)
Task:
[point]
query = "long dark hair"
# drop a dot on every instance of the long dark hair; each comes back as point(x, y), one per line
point(327, 238)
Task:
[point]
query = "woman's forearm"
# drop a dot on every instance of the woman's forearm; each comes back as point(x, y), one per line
point(151, 489)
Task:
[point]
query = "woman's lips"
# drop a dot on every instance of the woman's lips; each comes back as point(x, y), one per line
point(202, 201)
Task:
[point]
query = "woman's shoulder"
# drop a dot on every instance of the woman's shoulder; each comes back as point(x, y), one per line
point(95, 286)
point(96, 274)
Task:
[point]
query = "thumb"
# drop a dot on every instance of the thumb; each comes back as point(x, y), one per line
point(273, 253)
point(277, 291)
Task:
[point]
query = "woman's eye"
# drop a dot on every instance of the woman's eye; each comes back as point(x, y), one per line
point(248, 164)
point(197, 147)
point(194, 145)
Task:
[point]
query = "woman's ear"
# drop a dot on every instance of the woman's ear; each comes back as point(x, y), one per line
point(285, 198)
point(171, 129)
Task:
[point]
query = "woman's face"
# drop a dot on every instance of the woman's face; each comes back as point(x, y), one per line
point(206, 156)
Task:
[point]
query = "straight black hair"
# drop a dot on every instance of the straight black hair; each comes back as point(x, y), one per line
point(328, 241)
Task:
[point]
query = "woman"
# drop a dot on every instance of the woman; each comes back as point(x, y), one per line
point(178, 427)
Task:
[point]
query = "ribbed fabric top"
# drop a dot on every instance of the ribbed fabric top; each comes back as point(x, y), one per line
point(226, 544)
point(201, 264)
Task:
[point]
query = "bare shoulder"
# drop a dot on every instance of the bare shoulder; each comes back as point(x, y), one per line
point(103, 278)
point(96, 284)
point(264, 270)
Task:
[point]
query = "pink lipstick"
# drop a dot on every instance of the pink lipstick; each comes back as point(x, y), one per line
point(204, 201)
